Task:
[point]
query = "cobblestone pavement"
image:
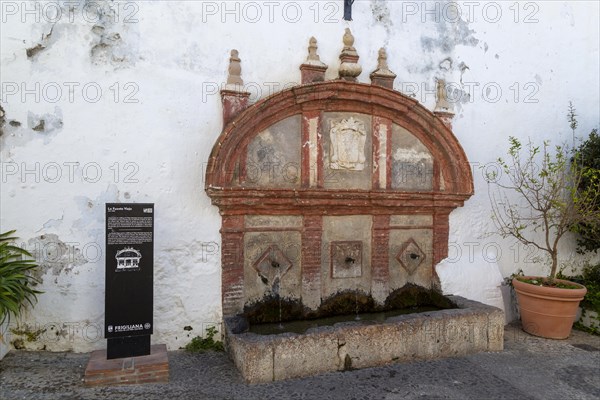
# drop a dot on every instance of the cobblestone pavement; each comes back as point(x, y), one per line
point(528, 368)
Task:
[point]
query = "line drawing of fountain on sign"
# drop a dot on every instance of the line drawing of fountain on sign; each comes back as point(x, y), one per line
point(128, 259)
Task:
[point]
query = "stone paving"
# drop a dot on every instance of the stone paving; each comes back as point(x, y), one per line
point(528, 368)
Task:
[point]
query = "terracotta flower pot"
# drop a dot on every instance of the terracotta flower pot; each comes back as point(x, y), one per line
point(548, 312)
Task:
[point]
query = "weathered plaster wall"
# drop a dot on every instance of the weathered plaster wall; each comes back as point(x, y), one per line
point(4, 344)
point(118, 101)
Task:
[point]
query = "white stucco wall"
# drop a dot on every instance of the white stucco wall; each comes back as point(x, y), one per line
point(131, 110)
point(4, 342)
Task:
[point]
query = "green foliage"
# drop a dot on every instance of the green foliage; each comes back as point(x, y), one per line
point(593, 330)
point(587, 160)
point(590, 278)
point(200, 345)
point(572, 117)
point(549, 283)
point(16, 283)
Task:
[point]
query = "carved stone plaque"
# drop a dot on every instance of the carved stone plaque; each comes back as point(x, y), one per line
point(346, 259)
point(347, 147)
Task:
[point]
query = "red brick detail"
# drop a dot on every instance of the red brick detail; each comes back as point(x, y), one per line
point(305, 154)
point(233, 103)
point(436, 176)
point(377, 122)
point(306, 167)
point(380, 263)
point(312, 73)
point(238, 201)
point(232, 263)
point(441, 233)
point(383, 80)
point(153, 368)
point(445, 117)
point(242, 167)
point(320, 159)
point(388, 163)
point(341, 96)
point(376, 148)
point(311, 253)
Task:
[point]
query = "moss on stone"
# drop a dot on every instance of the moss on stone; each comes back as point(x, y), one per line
point(272, 309)
point(416, 296)
point(346, 302)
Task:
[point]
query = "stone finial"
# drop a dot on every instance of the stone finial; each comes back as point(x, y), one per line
point(349, 68)
point(382, 76)
point(313, 70)
point(348, 40)
point(443, 109)
point(382, 64)
point(234, 77)
point(233, 97)
point(313, 57)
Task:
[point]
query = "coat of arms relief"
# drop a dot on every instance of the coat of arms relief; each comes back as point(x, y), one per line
point(347, 146)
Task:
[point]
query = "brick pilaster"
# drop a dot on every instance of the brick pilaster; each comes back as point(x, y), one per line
point(311, 260)
point(440, 236)
point(234, 102)
point(232, 261)
point(380, 262)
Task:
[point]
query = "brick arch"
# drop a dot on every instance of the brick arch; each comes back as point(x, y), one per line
point(341, 96)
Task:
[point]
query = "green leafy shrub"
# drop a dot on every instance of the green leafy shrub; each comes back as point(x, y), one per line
point(16, 283)
point(588, 161)
point(200, 345)
point(590, 278)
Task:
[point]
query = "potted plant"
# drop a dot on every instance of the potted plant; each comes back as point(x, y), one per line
point(548, 203)
point(16, 283)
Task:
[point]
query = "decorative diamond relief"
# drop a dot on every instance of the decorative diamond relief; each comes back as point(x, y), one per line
point(346, 259)
point(272, 264)
point(410, 256)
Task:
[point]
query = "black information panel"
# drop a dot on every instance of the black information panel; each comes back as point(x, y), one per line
point(129, 279)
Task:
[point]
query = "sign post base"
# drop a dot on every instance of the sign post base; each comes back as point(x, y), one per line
point(152, 368)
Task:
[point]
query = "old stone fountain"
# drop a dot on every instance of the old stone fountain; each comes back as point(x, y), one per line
point(335, 199)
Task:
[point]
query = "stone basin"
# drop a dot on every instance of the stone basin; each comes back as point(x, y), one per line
point(470, 328)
